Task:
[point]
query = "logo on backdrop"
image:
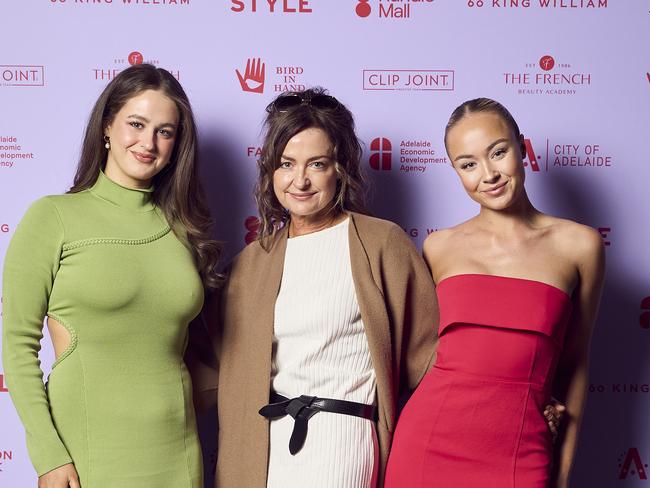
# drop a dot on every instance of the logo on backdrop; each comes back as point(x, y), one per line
point(391, 9)
point(547, 76)
point(253, 78)
point(3, 388)
point(252, 225)
point(620, 388)
point(272, 6)
point(107, 73)
point(577, 156)
point(363, 8)
point(604, 233)
point(381, 156)
point(530, 158)
point(644, 318)
point(631, 465)
point(254, 152)
point(563, 156)
point(408, 80)
point(5, 456)
point(4, 228)
point(546, 62)
point(22, 75)
point(415, 156)
point(13, 152)
point(135, 58)
point(559, 4)
point(153, 2)
point(415, 232)
point(124, 3)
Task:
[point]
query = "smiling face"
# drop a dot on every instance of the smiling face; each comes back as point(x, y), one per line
point(487, 157)
point(305, 179)
point(142, 137)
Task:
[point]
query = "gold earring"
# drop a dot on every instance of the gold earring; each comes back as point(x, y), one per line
point(107, 141)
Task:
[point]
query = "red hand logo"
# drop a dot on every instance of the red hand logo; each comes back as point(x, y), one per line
point(253, 79)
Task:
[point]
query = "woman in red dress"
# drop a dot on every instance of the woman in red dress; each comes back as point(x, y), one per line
point(518, 292)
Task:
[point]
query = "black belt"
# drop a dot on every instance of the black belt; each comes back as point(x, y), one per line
point(305, 407)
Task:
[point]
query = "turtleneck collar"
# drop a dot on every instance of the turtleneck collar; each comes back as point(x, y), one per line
point(129, 198)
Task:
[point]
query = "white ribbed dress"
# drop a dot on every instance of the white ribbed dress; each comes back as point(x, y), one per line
point(320, 349)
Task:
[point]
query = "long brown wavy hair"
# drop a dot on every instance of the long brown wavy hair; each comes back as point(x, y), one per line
point(177, 189)
point(280, 126)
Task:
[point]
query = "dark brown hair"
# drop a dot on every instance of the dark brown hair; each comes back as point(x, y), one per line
point(483, 105)
point(177, 190)
point(338, 123)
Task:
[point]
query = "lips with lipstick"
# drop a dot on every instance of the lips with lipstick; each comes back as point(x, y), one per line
point(146, 158)
point(496, 190)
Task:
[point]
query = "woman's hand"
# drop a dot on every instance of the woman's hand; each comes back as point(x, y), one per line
point(553, 414)
point(62, 477)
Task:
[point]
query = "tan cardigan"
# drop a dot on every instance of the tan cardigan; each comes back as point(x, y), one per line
point(399, 311)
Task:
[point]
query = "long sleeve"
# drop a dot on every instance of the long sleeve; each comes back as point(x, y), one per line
point(412, 306)
point(31, 264)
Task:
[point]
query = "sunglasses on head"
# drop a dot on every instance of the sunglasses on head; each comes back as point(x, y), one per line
point(286, 102)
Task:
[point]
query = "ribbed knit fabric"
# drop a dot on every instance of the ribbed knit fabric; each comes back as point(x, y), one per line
point(320, 349)
point(105, 264)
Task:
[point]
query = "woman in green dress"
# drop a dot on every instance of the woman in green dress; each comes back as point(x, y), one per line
point(118, 266)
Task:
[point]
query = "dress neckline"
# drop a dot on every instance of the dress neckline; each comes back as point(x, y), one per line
point(543, 283)
point(139, 200)
point(315, 235)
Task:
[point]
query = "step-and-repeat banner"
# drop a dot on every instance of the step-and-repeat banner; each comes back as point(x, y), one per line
point(574, 73)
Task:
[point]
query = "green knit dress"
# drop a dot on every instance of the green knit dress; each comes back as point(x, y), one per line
point(118, 403)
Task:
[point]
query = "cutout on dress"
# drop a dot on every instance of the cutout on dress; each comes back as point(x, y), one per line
point(61, 337)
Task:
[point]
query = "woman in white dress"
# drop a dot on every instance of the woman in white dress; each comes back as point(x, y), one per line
point(327, 320)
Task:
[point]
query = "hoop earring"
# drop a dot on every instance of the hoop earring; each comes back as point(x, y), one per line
point(107, 141)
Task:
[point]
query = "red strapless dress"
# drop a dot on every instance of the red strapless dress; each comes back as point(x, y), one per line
point(476, 420)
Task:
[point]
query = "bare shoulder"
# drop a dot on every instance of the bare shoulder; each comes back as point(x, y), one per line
point(439, 245)
point(581, 243)
point(436, 241)
point(574, 237)
point(444, 237)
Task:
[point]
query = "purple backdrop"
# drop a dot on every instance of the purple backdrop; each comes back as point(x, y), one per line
point(573, 72)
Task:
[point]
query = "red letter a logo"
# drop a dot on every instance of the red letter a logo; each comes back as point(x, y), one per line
point(531, 155)
point(633, 457)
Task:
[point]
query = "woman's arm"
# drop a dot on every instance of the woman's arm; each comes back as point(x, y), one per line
point(201, 354)
point(412, 304)
point(573, 369)
point(31, 263)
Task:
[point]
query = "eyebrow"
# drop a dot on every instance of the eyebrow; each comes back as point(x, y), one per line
point(146, 120)
point(314, 158)
point(489, 148)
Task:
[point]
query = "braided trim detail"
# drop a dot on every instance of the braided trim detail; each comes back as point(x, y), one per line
point(127, 242)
